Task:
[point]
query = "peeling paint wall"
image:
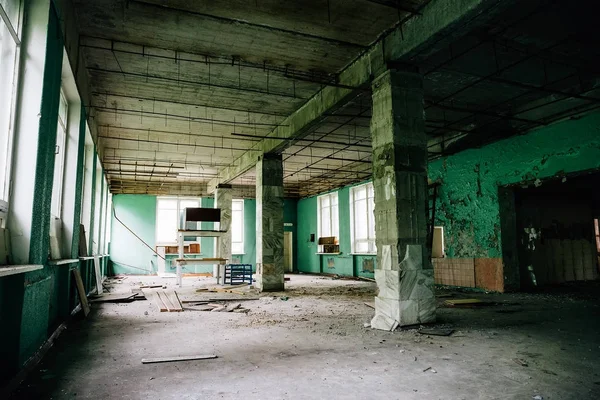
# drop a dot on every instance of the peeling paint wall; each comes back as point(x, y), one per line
point(467, 205)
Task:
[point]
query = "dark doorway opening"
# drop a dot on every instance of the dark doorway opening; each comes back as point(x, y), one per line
point(556, 230)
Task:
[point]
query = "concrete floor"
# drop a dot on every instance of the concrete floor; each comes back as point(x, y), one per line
point(314, 346)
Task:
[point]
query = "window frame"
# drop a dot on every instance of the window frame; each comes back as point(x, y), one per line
point(15, 30)
point(370, 218)
point(334, 228)
point(178, 213)
point(60, 150)
point(241, 243)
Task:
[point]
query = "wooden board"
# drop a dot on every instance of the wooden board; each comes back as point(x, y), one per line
point(98, 274)
point(165, 300)
point(462, 301)
point(172, 295)
point(158, 301)
point(222, 299)
point(114, 298)
point(81, 290)
point(180, 358)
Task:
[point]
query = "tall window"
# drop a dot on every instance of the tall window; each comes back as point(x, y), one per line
point(328, 215)
point(59, 158)
point(168, 214)
point(237, 227)
point(362, 209)
point(10, 41)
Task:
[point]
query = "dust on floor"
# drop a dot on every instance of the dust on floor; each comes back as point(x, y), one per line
point(310, 342)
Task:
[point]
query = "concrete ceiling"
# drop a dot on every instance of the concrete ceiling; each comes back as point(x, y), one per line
point(181, 90)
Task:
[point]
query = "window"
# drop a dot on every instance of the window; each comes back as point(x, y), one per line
point(328, 215)
point(168, 211)
point(10, 32)
point(59, 157)
point(237, 227)
point(362, 209)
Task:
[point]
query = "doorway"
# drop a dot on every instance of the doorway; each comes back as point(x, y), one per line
point(288, 254)
point(555, 231)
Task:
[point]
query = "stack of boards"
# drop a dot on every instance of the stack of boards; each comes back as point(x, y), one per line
point(165, 300)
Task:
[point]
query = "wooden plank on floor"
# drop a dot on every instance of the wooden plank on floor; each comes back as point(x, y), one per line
point(220, 299)
point(464, 302)
point(81, 291)
point(114, 298)
point(180, 358)
point(158, 301)
point(172, 295)
point(166, 301)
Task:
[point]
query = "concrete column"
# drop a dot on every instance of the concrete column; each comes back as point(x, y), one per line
point(404, 273)
point(269, 223)
point(223, 202)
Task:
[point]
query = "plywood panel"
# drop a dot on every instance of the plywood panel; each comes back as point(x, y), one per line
point(489, 274)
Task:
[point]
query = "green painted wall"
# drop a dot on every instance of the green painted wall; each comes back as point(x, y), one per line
point(40, 303)
point(32, 305)
point(309, 261)
point(467, 205)
point(130, 256)
point(289, 217)
point(127, 253)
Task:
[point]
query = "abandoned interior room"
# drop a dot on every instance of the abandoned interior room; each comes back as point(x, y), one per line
point(268, 199)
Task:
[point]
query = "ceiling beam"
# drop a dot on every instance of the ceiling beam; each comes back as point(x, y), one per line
point(440, 17)
point(265, 92)
point(250, 24)
point(95, 93)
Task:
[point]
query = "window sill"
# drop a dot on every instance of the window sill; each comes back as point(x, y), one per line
point(63, 262)
point(330, 254)
point(6, 270)
point(238, 254)
point(363, 254)
point(92, 257)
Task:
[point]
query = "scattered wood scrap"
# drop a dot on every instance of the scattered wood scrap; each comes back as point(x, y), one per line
point(226, 289)
point(180, 358)
point(166, 300)
point(464, 302)
point(436, 331)
point(216, 307)
point(210, 300)
point(371, 305)
point(81, 291)
point(152, 286)
point(115, 298)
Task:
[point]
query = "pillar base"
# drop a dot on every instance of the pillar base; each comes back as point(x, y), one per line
point(269, 283)
point(406, 291)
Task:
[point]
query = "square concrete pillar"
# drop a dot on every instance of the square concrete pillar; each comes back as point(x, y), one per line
point(404, 273)
point(223, 202)
point(269, 223)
